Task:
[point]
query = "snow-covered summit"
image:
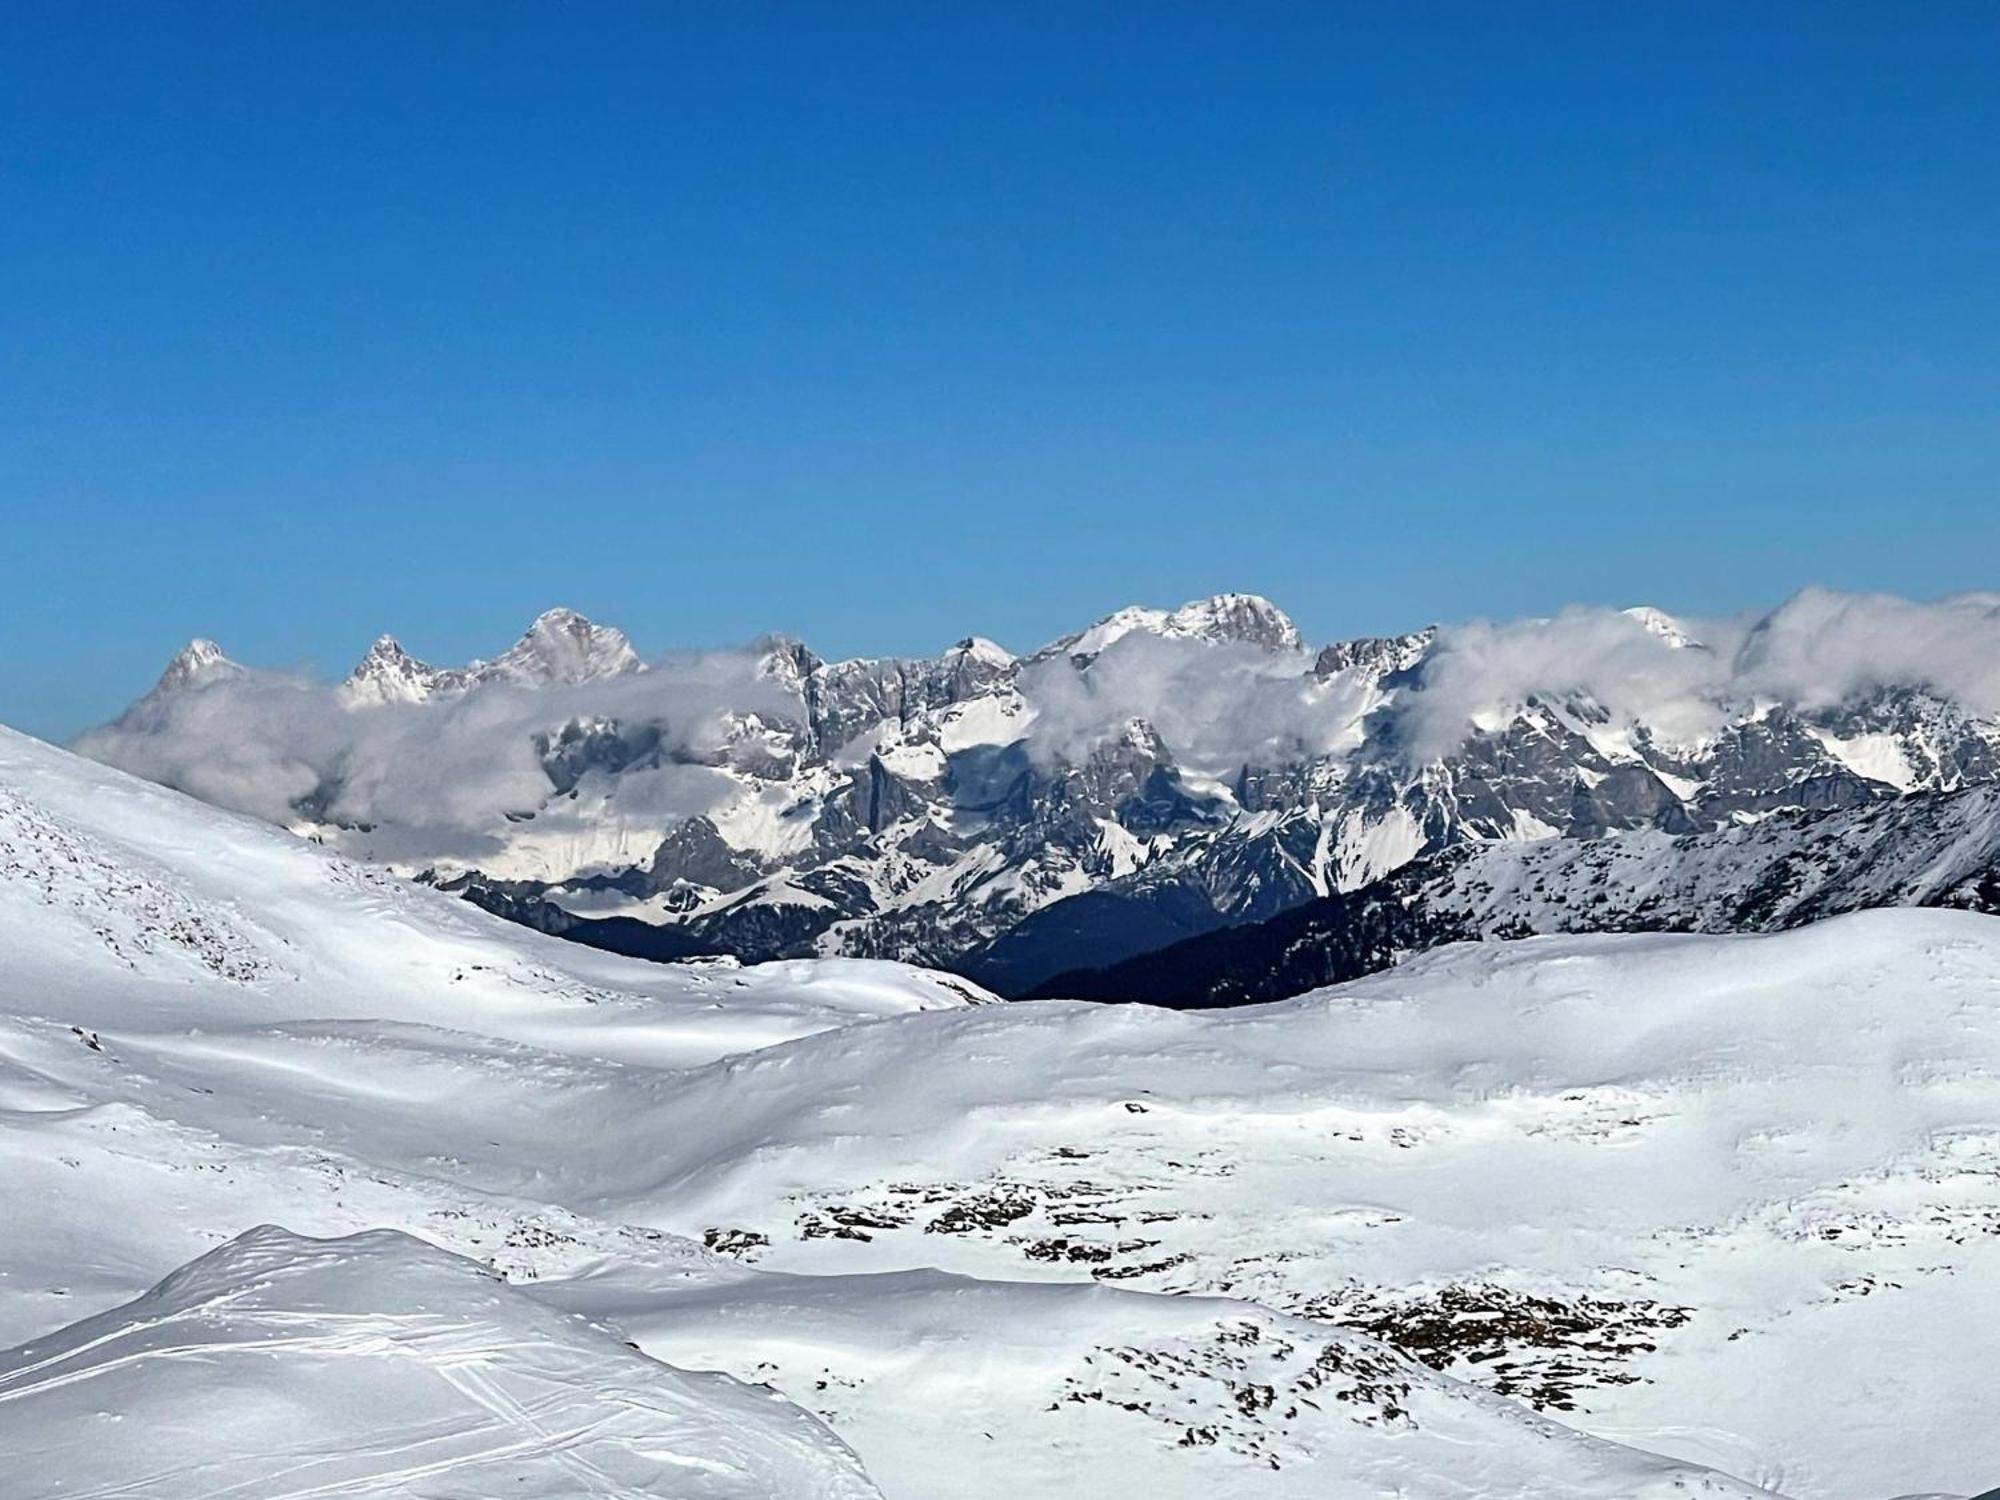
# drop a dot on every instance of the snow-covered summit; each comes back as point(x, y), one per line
point(389, 674)
point(199, 661)
point(561, 646)
point(1249, 619)
point(977, 648)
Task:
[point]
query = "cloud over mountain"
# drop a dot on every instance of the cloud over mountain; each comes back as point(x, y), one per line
point(1200, 759)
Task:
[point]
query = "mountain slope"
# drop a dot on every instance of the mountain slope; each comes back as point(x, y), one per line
point(1937, 849)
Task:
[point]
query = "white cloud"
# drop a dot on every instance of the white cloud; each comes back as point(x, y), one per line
point(1818, 649)
point(1482, 668)
point(1218, 705)
point(443, 773)
point(1821, 647)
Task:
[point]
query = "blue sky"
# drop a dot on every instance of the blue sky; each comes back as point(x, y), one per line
point(885, 324)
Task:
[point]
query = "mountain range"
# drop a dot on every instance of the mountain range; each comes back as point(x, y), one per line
point(1154, 776)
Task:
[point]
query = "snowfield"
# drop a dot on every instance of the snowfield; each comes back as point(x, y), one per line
point(377, 1365)
point(1571, 1217)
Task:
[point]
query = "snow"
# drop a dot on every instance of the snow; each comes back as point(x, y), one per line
point(1773, 872)
point(954, 1386)
point(1123, 850)
point(913, 762)
point(1659, 623)
point(1115, 626)
point(106, 880)
point(1879, 757)
point(1643, 1203)
point(1369, 848)
point(987, 653)
point(566, 841)
point(1222, 617)
point(1479, 1120)
point(1527, 826)
point(997, 718)
point(376, 1364)
point(774, 821)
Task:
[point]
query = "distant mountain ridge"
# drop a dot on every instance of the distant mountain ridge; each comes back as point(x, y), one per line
point(1150, 777)
point(1930, 849)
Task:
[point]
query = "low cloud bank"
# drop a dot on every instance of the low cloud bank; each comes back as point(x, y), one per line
point(1818, 649)
point(443, 774)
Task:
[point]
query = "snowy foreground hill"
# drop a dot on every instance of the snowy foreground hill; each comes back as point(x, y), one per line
point(1571, 1217)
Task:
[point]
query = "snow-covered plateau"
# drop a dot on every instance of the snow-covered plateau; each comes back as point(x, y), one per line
point(1633, 1215)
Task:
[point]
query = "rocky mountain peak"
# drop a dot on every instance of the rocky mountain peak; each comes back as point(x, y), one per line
point(1249, 618)
point(976, 648)
point(564, 647)
point(1379, 654)
point(200, 660)
point(387, 673)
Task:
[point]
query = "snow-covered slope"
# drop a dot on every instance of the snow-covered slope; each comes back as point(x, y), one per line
point(955, 1386)
point(379, 1365)
point(206, 1027)
point(1734, 1199)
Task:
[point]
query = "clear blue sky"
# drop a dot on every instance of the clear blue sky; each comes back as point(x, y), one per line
point(884, 324)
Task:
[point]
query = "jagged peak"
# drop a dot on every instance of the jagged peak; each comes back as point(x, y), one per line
point(561, 617)
point(785, 659)
point(384, 649)
point(200, 660)
point(387, 673)
point(1380, 654)
point(201, 651)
